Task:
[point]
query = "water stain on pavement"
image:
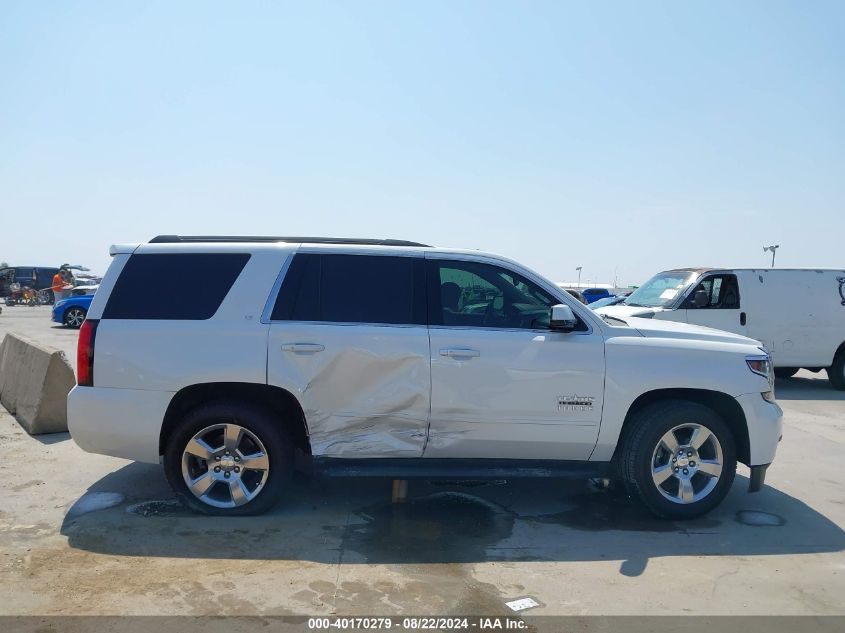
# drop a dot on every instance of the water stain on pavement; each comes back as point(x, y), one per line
point(462, 527)
point(446, 525)
point(755, 518)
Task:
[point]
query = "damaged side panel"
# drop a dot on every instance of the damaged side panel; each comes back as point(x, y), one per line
point(364, 388)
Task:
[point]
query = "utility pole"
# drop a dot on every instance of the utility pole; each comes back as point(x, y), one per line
point(579, 275)
point(772, 248)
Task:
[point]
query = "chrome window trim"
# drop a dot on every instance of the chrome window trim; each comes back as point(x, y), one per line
point(274, 292)
point(432, 327)
point(511, 329)
point(552, 289)
point(277, 286)
point(352, 324)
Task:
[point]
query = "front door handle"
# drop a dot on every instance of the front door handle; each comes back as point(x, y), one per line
point(303, 348)
point(453, 352)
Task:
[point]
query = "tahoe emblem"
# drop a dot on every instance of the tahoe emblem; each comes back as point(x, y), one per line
point(575, 403)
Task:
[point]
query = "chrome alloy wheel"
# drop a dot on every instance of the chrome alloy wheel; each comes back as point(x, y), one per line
point(75, 317)
point(225, 465)
point(687, 463)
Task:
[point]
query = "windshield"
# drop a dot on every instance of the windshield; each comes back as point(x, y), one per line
point(661, 290)
point(607, 301)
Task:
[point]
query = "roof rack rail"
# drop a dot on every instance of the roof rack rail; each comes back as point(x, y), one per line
point(175, 239)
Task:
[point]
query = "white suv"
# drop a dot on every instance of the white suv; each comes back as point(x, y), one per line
point(390, 358)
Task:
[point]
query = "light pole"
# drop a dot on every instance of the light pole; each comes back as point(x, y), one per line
point(772, 248)
point(579, 275)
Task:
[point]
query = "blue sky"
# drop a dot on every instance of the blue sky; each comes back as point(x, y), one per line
point(623, 137)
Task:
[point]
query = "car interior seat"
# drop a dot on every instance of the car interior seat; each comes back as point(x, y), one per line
point(731, 298)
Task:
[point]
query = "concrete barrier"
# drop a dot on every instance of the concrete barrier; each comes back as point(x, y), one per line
point(34, 382)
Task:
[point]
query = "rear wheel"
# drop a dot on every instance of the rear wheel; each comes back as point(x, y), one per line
point(836, 372)
point(228, 458)
point(786, 372)
point(678, 459)
point(74, 317)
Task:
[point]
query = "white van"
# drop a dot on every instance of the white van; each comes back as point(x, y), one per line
point(798, 314)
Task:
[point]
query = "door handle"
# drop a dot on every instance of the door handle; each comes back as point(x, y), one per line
point(303, 348)
point(742, 318)
point(460, 353)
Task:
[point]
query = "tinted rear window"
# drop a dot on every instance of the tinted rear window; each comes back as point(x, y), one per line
point(353, 289)
point(177, 286)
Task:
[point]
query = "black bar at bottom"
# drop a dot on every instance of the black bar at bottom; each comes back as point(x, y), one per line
point(758, 477)
point(457, 468)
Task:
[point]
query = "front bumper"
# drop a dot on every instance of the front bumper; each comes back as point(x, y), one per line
point(765, 428)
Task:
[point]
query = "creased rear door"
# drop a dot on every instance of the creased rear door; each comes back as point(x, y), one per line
point(352, 346)
point(365, 393)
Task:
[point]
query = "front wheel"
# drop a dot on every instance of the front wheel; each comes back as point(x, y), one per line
point(228, 458)
point(786, 372)
point(678, 459)
point(74, 317)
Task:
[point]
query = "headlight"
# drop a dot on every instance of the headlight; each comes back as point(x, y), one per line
point(762, 365)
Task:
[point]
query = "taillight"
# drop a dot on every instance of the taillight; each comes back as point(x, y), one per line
point(85, 354)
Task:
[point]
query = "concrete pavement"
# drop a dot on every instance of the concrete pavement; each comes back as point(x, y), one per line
point(88, 534)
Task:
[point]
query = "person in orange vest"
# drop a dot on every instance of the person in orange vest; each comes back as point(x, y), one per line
point(58, 286)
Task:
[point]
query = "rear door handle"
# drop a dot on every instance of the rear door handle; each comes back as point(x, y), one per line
point(303, 348)
point(742, 319)
point(454, 352)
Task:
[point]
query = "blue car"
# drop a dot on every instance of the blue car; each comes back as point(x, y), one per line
point(594, 294)
point(71, 312)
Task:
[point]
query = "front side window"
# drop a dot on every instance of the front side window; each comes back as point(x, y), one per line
point(472, 294)
point(352, 289)
point(717, 292)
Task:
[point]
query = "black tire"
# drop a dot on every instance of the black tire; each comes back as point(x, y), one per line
point(786, 372)
point(258, 421)
point(74, 316)
point(836, 372)
point(642, 438)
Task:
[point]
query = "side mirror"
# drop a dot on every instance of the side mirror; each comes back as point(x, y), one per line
point(701, 299)
point(562, 318)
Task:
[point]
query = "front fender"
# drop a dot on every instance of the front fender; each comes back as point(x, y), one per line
point(639, 365)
